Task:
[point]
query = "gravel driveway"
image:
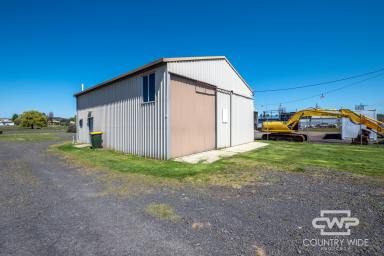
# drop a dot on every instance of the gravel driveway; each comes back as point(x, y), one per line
point(48, 207)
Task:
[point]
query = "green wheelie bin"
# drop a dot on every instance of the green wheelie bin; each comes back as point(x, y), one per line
point(96, 139)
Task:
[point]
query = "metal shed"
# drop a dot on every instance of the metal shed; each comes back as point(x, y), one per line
point(169, 108)
point(350, 130)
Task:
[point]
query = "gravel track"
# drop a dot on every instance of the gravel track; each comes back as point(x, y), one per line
point(50, 208)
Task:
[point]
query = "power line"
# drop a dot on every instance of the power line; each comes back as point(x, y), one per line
point(325, 93)
point(322, 83)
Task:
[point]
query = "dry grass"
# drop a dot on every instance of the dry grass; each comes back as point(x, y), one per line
point(235, 178)
point(127, 184)
point(162, 212)
point(18, 180)
point(21, 174)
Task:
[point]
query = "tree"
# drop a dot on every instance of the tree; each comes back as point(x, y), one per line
point(32, 119)
point(14, 117)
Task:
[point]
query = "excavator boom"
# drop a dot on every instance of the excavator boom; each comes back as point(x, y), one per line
point(287, 130)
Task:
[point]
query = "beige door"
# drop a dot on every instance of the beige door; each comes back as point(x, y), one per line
point(192, 117)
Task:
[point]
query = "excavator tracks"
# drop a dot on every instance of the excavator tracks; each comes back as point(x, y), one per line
point(285, 137)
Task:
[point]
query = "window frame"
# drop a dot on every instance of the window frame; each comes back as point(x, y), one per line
point(147, 90)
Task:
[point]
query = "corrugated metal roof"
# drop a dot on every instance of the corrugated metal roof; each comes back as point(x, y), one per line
point(159, 62)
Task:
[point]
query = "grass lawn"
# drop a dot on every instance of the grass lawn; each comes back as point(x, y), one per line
point(20, 134)
point(367, 160)
point(19, 129)
point(29, 136)
point(134, 164)
point(23, 134)
point(344, 157)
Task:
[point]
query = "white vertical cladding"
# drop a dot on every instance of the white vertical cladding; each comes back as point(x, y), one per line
point(223, 127)
point(242, 120)
point(129, 125)
point(216, 72)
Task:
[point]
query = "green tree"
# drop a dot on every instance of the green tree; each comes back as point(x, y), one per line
point(32, 119)
point(14, 117)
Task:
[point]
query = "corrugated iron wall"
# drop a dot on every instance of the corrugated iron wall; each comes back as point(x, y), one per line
point(241, 120)
point(129, 125)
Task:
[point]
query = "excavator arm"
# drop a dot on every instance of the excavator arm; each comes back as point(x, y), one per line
point(293, 122)
point(288, 129)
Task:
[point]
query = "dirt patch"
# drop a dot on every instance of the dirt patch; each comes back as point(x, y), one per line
point(260, 251)
point(201, 225)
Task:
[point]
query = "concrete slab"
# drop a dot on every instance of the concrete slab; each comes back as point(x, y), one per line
point(82, 145)
point(214, 155)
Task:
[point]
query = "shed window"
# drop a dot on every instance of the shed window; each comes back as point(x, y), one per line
point(81, 123)
point(149, 88)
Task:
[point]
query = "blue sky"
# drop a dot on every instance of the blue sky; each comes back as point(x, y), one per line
point(48, 48)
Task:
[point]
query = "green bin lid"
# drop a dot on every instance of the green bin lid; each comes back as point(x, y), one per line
point(95, 133)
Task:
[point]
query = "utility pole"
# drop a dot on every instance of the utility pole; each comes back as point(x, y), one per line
point(361, 133)
point(266, 109)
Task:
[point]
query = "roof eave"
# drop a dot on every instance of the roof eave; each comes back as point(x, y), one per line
point(125, 75)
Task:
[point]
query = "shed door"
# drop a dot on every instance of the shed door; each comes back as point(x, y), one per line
point(192, 117)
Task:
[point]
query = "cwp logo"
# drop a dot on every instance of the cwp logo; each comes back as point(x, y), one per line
point(330, 218)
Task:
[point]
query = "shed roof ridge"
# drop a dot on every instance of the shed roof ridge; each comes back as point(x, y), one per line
point(159, 62)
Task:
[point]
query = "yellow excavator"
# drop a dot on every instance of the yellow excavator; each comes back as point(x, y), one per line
point(278, 130)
